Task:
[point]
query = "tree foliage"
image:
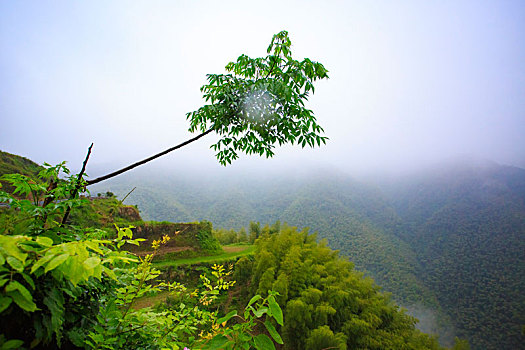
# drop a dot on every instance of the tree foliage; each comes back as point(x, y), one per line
point(325, 301)
point(261, 103)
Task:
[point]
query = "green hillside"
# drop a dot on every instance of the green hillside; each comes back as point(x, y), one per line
point(13, 164)
point(353, 217)
point(449, 241)
point(79, 267)
point(467, 227)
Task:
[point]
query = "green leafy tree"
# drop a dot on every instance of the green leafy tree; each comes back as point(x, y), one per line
point(266, 282)
point(257, 105)
point(242, 236)
point(255, 231)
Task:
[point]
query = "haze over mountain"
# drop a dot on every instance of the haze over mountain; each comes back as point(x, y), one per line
point(410, 82)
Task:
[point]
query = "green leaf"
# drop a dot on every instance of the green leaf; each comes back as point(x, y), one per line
point(29, 280)
point(94, 246)
point(92, 262)
point(273, 332)
point(262, 342)
point(110, 273)
point(56, 262)
point(76, 271)
point(4, 303)
point(254, 299)
point(41, 262)
point(44, 241)
point(218, 342)
point(22, 302)
point(12, 344)
point(275, 309)
point(227, 317)
point(15, 264)
point(17, 286)
point(8, 245)
point(259, 312)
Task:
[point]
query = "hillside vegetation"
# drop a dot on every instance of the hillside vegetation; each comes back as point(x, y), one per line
point(324, 299)
point(13, 164)
point(80, 267)
point(448, 243)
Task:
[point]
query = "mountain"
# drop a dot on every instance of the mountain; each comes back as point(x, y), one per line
point(447, 242)
point(467, 228)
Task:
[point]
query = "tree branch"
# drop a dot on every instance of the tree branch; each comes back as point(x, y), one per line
point(134, 165)
point(78, 185)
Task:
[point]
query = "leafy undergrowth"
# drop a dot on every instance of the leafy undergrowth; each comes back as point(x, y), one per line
point(232, 252)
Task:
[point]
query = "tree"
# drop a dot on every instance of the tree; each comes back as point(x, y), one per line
point(323, 338)
point(255, 231)
point(259, 104)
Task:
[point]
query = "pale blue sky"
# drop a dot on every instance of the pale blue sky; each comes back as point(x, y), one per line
point(411, 81)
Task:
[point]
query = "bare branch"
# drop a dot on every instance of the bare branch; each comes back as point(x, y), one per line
point(134, 165)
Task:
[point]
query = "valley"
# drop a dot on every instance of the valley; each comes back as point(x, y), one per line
point(448, 242)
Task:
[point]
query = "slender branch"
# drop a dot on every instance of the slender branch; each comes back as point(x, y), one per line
point(52, 185)
point(78, 185)
point(277, 53)
point(84, 166)
point(126, 196)
point(134, 165)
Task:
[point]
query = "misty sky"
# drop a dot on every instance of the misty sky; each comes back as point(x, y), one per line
point(410, 81)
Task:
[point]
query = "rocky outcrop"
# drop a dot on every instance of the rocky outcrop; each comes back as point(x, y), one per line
point(129, 213)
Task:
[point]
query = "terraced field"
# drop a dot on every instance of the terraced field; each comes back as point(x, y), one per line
point(231, 252)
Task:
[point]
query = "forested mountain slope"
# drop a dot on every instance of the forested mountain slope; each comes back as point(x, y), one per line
point(328, 305)
point(353, 217)
point(467, 228)
point(449, 239)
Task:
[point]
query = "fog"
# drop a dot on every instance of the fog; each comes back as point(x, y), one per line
point(411, 83)
point(429, 322)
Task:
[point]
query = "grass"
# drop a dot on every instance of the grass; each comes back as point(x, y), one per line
point(230, 252)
